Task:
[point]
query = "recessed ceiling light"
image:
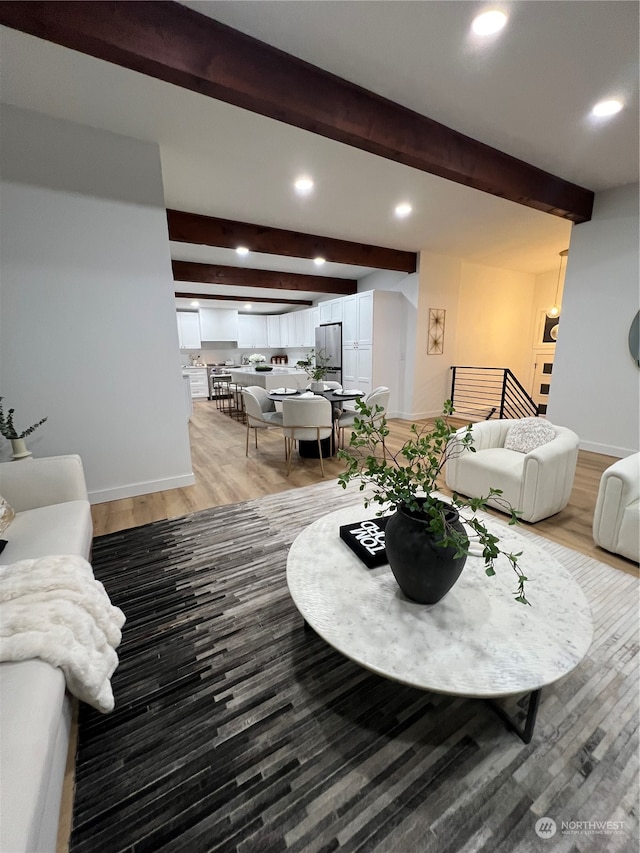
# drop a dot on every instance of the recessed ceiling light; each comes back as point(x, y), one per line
point(303, 185)
point(489, 22)
point(403, 209)
point(318, 261)
point(242, 250)
point(247, 307)
point(607, 108)
point(195, 304)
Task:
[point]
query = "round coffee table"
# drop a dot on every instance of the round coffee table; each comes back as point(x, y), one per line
point(476, 642)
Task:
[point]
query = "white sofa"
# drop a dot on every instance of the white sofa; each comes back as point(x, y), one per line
point(53, 516)
point(616, 520)
point(537, 483)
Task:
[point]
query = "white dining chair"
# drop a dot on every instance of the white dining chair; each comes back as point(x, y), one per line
point(378, 398)
point(331, 385)
point(306, 420)
point(260, 413)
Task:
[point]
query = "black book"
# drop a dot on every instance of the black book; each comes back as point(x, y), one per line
point(366, 540)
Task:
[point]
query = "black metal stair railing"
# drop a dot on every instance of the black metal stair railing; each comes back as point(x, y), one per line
point(486, 392)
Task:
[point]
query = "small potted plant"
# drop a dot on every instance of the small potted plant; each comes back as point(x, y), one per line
point(8, 430)
point(316, 366)
point(427, 538)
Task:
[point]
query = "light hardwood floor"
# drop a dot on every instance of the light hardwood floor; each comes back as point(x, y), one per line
point(225, 475)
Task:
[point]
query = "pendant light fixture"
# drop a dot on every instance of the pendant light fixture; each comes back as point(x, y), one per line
point(554, 310)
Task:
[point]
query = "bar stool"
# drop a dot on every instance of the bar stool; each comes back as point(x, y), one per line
point(236, 402)
point(222, 392)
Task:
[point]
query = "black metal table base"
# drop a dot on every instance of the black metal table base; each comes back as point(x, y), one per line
point(525, 733)
point(309, 449)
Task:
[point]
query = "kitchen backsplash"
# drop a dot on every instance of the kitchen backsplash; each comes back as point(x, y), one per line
point(220, 356)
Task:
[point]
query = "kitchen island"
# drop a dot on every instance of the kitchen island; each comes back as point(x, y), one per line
point(279, 377)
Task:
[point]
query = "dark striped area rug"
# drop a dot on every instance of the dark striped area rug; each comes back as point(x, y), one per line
point(237, 730)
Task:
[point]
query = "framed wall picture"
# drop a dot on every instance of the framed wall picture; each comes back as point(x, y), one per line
point(435, 333)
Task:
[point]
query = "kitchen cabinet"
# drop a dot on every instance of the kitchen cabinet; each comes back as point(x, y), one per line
point(199, 382)
point(372, 349)
point(188, 329)
point(357, 369)
point(252, 331)
point(188, 399)
point(309, 331)
point(274, 337)
point(218, 324)
point(315, 322)
point(331, 311)
point(286, 338)
point(357, 320)
point(300, 329)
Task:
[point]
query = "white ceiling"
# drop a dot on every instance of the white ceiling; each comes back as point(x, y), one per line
point(527, 93)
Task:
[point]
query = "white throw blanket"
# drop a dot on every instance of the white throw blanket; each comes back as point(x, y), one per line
point(53, 608)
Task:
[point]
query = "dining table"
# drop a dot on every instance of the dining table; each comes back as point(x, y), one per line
point(309, 449)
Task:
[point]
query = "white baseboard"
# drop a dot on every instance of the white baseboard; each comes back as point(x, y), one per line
point(132, 490)
point(606, 449)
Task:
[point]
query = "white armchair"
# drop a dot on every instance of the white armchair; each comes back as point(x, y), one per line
point(537, 483)
point(616, 521)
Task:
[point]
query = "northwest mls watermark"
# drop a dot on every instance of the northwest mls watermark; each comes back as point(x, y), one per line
point(547, 827)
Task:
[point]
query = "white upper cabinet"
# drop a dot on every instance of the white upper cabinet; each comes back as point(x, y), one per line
point(285, 330)
point(273, 331)
point(357, 320)
point(252, 331)
point(365, 318)
point(188, 329)
point(349, 321)
point(218, 324)
point(325, 311)
point(309, 338)
point(331, 311)
point(336, 311)
point(300, 335)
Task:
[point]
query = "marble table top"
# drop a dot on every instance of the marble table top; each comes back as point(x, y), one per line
point(476, 642)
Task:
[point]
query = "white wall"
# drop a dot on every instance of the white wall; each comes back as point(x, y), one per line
point(495, 319)
point(439, 288)
point(88, 333)
point(595, 386)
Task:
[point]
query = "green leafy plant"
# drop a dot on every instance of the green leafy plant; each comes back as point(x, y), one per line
point(7, 428)
point(315, 365)
point(409, 477)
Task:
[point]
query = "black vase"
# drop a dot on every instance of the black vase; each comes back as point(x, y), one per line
point(424, 570)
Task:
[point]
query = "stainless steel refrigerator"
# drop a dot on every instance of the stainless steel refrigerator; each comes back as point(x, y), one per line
point(329, 345)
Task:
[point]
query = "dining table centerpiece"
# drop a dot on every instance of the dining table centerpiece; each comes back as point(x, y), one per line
point(428, 536)
point(316, 366)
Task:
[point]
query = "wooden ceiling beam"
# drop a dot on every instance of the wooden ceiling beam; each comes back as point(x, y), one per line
point(242, 276)
point(171, 42)
point(229, 234)
point(199, 296)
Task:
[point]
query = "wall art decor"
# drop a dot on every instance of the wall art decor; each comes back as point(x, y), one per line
point(435, 340)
